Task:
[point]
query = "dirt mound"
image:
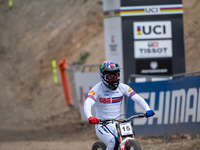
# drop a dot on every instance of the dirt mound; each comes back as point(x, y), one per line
point(32, 34)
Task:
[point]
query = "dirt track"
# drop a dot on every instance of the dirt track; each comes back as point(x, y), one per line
point(73, 135)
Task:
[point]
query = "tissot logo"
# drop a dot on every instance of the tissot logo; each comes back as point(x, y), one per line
point(153, 44)
point(153, 49)
point(153, 29)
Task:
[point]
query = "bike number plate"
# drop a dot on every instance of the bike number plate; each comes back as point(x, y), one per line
point(126, 128)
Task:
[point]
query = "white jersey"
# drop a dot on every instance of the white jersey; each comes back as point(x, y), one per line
point(108, 102)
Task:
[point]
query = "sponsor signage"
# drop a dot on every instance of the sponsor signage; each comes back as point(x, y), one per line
point(151, 10)
point(144, 30)
point(154, 67)
point(152, 46)
point(176, 104)
point(152, 30)
point(153, 49)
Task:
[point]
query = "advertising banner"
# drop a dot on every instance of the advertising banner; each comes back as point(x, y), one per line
point(151, 10)
point(152, 30)
point(139, 33)
point(154, 67)
point(153, 49)
point(152, 35)
point(176, 104)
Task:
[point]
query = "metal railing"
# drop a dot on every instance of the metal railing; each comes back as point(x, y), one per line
point(150, 77)
point(77, 67)
point(185, 74)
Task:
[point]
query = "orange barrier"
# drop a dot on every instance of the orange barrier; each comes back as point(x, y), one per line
point(65, 81)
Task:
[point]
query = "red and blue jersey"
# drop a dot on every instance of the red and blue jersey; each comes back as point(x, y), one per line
point(108, 102)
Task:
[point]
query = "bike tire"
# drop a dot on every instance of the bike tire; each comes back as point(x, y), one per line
point(132, 144)
point(99, 146)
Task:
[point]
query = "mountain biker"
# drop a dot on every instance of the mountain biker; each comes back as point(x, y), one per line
point(106, 96)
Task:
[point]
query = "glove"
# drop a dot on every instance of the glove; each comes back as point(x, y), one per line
point(93, 120)
point(150, 113)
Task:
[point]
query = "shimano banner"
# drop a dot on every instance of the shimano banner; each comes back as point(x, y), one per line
point(176, 104)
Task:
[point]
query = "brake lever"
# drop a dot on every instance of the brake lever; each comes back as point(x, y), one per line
point(103, 122)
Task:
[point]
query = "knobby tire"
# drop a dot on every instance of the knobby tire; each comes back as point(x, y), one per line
point(98, 146)
point(134, 144)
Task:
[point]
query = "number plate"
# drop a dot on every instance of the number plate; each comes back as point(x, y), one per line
point(126, 128)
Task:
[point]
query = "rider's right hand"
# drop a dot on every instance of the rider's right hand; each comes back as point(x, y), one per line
point(93, 120)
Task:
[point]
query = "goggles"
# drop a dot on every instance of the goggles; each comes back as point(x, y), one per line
point(112, 77)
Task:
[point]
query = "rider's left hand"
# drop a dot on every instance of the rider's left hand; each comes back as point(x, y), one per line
point(150, 113)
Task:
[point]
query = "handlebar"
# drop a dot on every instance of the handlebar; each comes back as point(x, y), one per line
point(104, 121)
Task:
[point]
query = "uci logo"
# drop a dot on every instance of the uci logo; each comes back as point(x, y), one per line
point(152, 10)
point(158, 29)
point(152, 29)
point(105, 100)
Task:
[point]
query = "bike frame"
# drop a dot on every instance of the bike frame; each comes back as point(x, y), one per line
point(124, 138)
point(124, 124)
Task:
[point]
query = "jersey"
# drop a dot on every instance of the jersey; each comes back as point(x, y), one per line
point(108, 102)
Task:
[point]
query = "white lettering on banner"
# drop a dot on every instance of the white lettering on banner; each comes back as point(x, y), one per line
point(177, 95)
point(183, 106)
point(198, 111)
point(191, 111)
point(154, 71)
point(158, 113)
point(166, 114)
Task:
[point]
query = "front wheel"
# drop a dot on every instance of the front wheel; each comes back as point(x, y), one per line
point(132, 145)
point(98, 146)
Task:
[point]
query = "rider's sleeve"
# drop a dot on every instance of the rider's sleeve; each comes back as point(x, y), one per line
point(87, 107)
point(90, 101)
point(129, 92)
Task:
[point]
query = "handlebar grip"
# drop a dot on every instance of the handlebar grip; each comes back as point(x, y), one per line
point(142, 115)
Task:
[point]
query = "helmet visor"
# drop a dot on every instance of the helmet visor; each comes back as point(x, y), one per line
point(112, 77)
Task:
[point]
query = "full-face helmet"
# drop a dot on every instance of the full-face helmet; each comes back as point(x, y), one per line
point(110, 74)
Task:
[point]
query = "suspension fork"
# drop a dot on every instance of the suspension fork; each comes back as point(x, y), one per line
point(119, 132)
